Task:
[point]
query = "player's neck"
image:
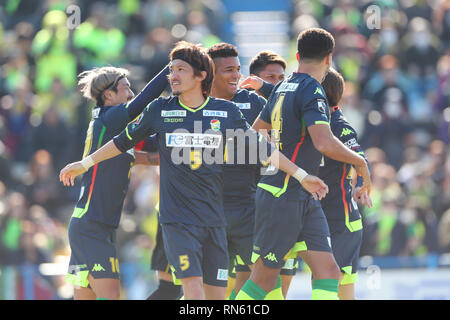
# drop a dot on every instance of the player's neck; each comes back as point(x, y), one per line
point(314, 70)
point(221, 95)
point(192, 99)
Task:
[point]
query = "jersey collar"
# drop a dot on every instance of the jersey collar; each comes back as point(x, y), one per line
point(193, 110)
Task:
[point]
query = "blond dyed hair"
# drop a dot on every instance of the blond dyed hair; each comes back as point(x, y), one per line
point(93, 83)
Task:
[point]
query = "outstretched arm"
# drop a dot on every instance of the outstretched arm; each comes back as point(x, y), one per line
point(72, 170)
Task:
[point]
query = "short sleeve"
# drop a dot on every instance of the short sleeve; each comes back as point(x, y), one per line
point(140, 129)
point(314, 104)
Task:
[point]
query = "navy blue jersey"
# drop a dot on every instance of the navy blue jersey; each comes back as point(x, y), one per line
point(104, 185)
point(338, 175)
point(102, 193)
point(191, 150)
point(294, 104)
point(240, 179)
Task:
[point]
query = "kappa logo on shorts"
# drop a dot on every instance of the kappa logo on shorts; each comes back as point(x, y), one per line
point(329, 241)
point(222, 274)
point(271, 257)
point(98, 267)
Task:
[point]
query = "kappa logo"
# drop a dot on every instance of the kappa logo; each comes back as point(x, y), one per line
point(215, 113)
point(98, 267)
point(346, 131)
point(318, 90)
point(271, 257)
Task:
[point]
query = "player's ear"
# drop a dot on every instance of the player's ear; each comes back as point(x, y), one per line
point(297, 55)
point(203, 75)
point(328, 59)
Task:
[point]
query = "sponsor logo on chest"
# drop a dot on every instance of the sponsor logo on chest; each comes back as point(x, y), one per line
point(215, 113)
point(173, 113)
point(193, 140)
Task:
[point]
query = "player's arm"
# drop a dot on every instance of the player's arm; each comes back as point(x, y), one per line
point(127, 139)
point(147, 158)
point(262, 127)
point(311, 183)
point(72, 170)
point(151, 91)
point(326, 143)
point(258, 84)
point(349, 138)
point(146, 152)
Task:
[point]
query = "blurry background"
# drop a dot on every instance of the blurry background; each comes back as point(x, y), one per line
point(394, 55)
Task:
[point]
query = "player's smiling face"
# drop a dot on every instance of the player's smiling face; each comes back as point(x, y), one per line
point(272, 73)
point(181, 77)
point(226, 76)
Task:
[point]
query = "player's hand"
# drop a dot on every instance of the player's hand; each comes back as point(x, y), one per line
point(363, 197)
point(70, 172)
point(367, 184)
point(315, 186)
point(252, 82)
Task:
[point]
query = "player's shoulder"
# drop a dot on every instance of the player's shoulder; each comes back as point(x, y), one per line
point(340, 125)
point(246, 96)
point(221, 104)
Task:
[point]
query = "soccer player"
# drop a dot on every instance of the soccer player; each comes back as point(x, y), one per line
point(94, 267)
point(288, 221)
point(339, 205)
point(191, 128)
point(271, 67)
point(239, 180)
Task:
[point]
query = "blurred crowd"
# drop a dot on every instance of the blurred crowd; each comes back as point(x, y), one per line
point(395, 57)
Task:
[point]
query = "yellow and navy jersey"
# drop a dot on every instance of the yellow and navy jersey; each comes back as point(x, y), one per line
point(338, 175)
point(191, 145)
point(104, 185)
point(293, 105)
point(240, 179)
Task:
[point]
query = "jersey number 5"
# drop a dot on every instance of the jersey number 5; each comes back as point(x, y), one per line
point(196, 159)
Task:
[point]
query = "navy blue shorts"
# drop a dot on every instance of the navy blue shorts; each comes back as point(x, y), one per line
point(93, 247)
point(197, 251)
point(159, 260)
point(285, 227)
point(240, 225)
point(346, 238)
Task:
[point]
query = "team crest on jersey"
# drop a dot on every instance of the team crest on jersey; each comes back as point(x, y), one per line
point(215, 124)
point(173, 113)
point(243, 106)
point(321, 105)
point(215, 113)
point(95, 113)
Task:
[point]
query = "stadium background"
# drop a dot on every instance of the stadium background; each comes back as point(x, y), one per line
point(394, 55)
